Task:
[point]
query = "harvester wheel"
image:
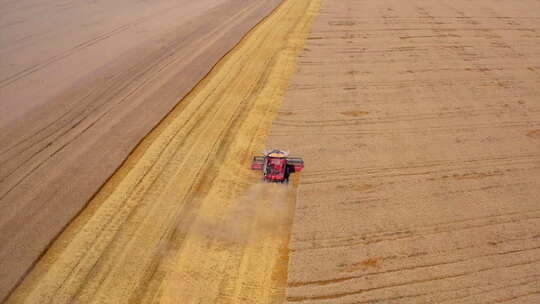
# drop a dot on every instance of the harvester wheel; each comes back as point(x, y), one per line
point(286, 175)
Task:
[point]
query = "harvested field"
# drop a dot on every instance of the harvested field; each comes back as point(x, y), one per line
point(81, 83)
point(418, 123)
point(185, 220)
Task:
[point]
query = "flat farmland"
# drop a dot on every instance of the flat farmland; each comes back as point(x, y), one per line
point(184, 219)
point(419, 123)
point(81, 83)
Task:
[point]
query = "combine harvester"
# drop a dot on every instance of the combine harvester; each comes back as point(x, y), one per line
point(277, 166)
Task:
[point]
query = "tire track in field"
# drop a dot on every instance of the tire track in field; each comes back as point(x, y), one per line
point(182, 188)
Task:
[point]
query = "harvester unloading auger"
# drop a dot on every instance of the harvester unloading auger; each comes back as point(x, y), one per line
point(277, 166)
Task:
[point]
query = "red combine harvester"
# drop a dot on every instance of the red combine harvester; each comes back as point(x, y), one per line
point(277, 166)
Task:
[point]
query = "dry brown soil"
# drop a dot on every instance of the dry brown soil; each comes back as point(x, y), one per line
point(81, 82)
point(419, 123)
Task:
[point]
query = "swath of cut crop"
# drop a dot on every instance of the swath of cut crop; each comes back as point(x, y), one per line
point(255, 227)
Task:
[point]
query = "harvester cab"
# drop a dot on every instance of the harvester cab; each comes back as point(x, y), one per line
point(277, 166)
